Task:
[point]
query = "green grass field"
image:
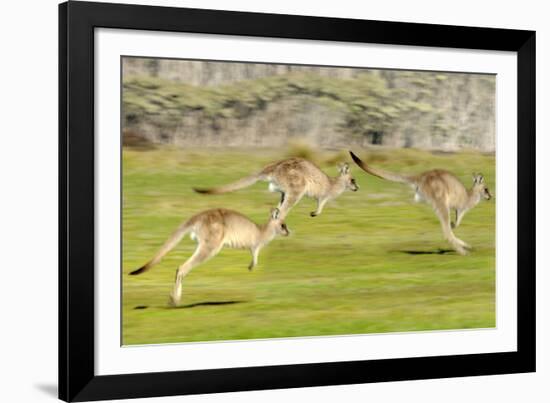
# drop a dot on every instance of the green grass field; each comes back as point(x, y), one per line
point(373, 262)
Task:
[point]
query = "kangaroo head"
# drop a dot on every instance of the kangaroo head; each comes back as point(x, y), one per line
point(480, 187)
point(346, 178)
point(276, 223)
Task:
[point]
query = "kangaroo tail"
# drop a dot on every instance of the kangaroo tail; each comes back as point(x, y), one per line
point(390, 176)
point(167, 247)
point(241, 183)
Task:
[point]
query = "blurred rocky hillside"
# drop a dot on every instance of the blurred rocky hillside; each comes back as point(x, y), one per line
point(195, 103)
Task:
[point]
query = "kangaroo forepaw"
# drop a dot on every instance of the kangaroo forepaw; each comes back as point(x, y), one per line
point(313, 214)
point(250, 266)
point(453, 225)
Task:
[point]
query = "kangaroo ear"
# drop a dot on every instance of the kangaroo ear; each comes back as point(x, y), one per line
point(478, 178)
point(275, 213)
point(344, 168)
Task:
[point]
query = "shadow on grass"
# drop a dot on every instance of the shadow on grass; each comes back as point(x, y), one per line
point(207, 303)
point(194, 305)
point(426, 252)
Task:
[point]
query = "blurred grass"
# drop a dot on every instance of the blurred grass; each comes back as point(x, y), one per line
point(368, 264)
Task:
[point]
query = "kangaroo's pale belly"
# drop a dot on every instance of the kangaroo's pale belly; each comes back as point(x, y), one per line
point(272, 187)
point(242, 242)
point(419, 198)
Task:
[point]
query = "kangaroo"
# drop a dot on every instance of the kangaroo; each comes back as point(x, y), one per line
point(213, 229)
point(295, 178)
point(443, 191)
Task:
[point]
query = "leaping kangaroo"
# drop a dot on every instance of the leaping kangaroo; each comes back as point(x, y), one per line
point(295, 178)
point(214, 229)
point(443, 191)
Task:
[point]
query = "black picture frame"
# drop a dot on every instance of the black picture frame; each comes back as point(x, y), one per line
point(77, 379)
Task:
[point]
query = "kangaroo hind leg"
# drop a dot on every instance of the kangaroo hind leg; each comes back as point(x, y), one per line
point(443, 214)
point(203, 252)
point(282, 199)
point(272, 187)
point(290, 200)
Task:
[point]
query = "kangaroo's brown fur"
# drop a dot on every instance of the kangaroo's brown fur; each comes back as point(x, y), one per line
point(214, 229)
point(295, 178)
point(443, 191)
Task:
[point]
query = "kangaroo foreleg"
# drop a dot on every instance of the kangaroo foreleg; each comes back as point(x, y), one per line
point(255, 252)
point(459, 216)
point(453, 223)
point(320, 204)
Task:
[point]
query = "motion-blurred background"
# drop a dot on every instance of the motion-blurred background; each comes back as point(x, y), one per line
point(213, 103)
